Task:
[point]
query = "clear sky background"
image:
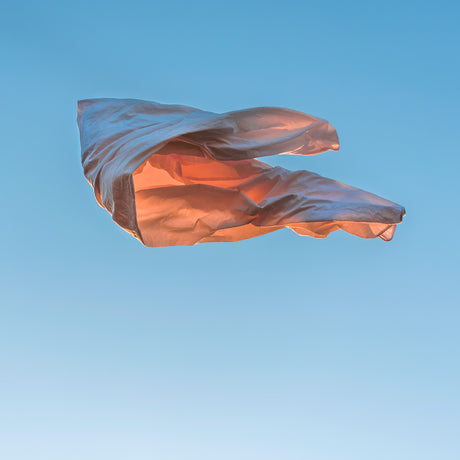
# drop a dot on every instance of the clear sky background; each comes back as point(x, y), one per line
point(279, 347)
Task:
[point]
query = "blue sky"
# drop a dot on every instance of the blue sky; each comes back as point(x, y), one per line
point(279, 347)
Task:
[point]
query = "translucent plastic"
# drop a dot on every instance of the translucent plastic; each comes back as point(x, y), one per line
point(174, 175)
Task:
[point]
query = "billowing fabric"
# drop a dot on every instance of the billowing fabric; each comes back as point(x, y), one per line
point(175, 175)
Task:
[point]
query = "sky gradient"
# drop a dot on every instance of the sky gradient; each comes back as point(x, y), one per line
point(279, 347)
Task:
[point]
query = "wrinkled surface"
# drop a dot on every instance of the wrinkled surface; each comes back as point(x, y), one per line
point(174, 175)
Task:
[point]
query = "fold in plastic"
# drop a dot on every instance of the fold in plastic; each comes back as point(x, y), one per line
point(173, 175)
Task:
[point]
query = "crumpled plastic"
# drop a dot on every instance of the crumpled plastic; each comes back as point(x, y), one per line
point(174, 175)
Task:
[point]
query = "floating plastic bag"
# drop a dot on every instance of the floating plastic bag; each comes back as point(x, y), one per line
point(173, 175)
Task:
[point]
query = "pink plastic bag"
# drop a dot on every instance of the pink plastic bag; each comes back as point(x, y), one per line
point(174, 175)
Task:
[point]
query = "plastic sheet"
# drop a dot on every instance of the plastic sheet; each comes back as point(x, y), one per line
point(175, 175)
